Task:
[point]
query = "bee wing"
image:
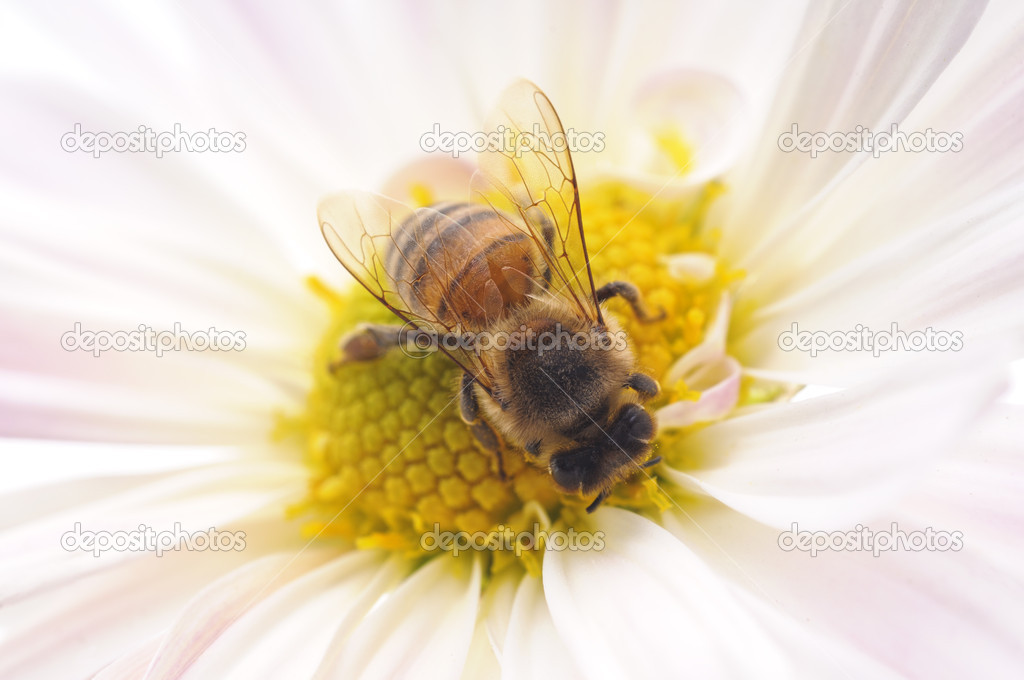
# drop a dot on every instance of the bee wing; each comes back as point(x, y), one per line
point(535, 187)
point(362, 230)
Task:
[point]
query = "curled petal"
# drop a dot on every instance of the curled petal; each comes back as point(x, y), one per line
point(693, 269)
point(709, 351)
point(691, 129)
point(430, 180)
point(706, 369)
point(716, 400)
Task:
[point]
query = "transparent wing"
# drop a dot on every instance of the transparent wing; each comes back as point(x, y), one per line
point(527, 175)
point(392, 250)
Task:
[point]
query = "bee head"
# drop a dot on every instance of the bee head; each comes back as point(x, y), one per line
point(612, 454)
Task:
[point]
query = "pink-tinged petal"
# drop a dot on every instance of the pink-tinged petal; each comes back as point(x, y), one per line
point(919, 613)
point(424, 628)
point(79, 626)
point(58, 292)
point(131, 665)
point(711, 347)
point(288, 633)
point(218, 606)
point(719, 386)
point(48, 551)
point(978, 491)
point(811, 652)
point(708, 370)
point(675, 618)
point(838, 458)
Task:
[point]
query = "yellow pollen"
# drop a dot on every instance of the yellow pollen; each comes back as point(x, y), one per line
point(389, 457)
point(671, 142)
point(682, 392)
point(422, 195)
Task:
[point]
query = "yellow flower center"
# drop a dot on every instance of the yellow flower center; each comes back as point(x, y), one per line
point(389, 456)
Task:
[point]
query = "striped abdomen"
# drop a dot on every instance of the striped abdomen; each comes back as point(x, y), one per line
point(467, 270)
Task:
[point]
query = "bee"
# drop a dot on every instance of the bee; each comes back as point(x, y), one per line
point(558, 381)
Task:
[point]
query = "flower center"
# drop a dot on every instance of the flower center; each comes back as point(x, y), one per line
point(389, 456)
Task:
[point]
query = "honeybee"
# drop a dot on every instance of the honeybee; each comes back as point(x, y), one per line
point(509, 264)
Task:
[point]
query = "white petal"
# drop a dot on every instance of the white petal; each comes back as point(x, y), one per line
point(211, 612)
point(289, 631)
point(900, 193)
point(80, 626)
point(837, 458)
point(481, 661)
point(423, 629)
point(853, 64)
point(534, 649)
point(496, 607)
point(693, 269)
point(921, 614)
point(922, 239)
point(73, 288)
point(48, 476)
point(812, 653)
point(386, 580)
point(131, 665)
point(645, 606)
point(978, 491)
point(956, 277)
point(35, 556)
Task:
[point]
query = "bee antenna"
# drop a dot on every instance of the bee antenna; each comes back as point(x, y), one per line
point(597, 501)
point(651, 463)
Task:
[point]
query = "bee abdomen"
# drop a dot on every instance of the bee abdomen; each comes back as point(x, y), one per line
point(463, 264)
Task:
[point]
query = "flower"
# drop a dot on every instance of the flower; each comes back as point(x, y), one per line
point(693, 578)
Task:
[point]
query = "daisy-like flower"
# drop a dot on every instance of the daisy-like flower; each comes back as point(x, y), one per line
point(295, 499)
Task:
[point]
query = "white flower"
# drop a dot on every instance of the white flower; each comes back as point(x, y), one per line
point(339, 97)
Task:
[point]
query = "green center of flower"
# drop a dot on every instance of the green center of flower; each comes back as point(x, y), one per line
point(389, 456)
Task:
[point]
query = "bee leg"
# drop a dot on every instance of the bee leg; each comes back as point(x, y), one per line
point(533, 449)
point(488, 438)
point(651, 463)
point(372, 341)
point(597, 501)
point(644, 385)
point(631, 294)
point(469, 409)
